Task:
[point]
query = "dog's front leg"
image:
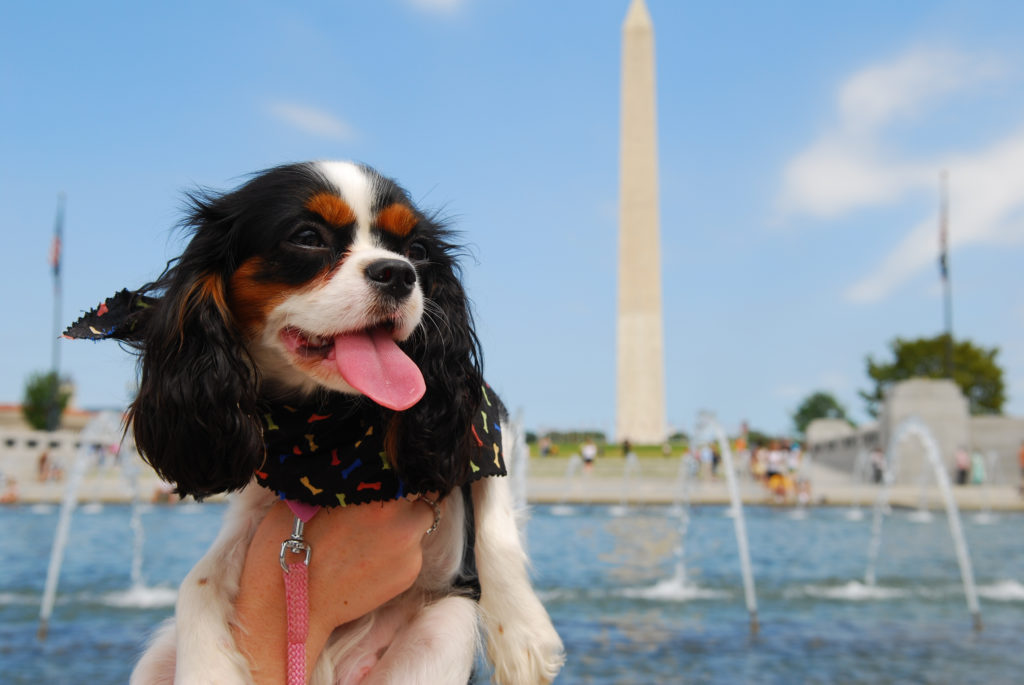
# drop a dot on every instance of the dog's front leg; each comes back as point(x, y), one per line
point(156, 667)
point(206, 650)
point(521, 641)
point(436, 645)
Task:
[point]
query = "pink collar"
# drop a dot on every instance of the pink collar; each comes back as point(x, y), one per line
point(302, 510)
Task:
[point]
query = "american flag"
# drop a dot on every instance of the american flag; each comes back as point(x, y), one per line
point(58, 232)
point(55, 254)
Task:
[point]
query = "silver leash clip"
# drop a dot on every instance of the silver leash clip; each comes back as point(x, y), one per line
point(296, 544)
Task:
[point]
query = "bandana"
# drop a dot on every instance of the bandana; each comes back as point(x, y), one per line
point(116, 317)
point(333, 455)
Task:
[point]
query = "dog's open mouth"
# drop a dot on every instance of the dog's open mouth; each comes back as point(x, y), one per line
point(312, 346)
point(369, 360)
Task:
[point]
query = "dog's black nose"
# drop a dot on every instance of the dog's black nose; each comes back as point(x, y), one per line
point(394, 277)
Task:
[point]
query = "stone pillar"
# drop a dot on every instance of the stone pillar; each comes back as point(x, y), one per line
point(942, 407)
point(640, 410)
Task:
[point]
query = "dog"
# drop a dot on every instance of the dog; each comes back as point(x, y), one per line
point(321, 285)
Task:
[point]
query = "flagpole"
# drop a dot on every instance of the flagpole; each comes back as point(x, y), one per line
point(947, 288)
point(53, 417)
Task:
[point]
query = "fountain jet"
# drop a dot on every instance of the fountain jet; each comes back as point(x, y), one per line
point(104, 430)
point(915, 426)
point(707, 423)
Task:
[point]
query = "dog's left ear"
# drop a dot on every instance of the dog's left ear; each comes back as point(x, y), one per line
point(196, 416)
point(432, 444)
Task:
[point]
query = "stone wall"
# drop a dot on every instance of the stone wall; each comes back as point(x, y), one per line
point(1001, 436)
point(942, 407)
point(102, 463)
point(837, 444)
point(20, 449)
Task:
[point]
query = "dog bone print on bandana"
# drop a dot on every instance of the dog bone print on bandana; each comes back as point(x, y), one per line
point(116, 317)
point(334, 455)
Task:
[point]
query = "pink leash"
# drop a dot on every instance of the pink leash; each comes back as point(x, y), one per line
point(296, 586)
point(296, 591)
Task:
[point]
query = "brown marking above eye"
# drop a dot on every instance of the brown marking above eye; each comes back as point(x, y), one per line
point(397, 219)
point(332, 208)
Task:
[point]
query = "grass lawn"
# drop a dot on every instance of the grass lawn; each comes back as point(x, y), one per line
point(567, 449)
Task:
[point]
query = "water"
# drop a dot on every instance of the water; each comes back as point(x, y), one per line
point(915, 427)
point(102, 433)
point(572, 485)
point(610, 584)
point(101, 618)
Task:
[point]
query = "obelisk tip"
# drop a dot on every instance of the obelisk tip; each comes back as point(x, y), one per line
point(637, 15)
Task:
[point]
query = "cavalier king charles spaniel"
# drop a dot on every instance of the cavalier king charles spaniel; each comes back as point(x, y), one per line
point(317, 294)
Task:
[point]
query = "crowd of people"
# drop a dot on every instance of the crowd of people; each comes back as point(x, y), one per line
point(779, 466)
point(48, 469)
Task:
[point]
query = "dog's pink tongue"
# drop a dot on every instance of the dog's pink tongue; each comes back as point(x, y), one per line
point(372, 363)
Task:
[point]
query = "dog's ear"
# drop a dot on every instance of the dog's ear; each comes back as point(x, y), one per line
point(196, 416)
point(431, 442)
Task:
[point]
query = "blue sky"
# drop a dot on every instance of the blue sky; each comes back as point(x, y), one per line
point(800, 148)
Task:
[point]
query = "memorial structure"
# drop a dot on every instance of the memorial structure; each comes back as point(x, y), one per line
point(640, 393)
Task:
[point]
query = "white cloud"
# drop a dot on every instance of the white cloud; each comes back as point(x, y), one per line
point(875, 96)
point(847, 169)
point(311, 120)
point(837, 174)
point(986, 197)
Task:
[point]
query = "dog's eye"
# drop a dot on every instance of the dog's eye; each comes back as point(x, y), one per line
point(307, 237)
point(417, 252)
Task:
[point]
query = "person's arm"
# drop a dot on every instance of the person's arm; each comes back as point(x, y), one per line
point(362, 557)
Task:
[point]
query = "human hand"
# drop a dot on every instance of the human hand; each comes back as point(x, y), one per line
point(362, 556)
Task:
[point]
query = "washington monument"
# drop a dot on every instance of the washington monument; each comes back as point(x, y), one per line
point(640, 411)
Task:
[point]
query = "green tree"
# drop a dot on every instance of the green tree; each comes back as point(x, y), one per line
point(975, 371)
point(819, 405)
point(41, 391)
point(757, 437)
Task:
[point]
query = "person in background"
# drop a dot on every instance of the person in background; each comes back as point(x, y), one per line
point(877, 465)
point(1020, 456)
point(978, 475)
point(43, 466)
point(8, 489)
point(588, 450)
point(962, 462)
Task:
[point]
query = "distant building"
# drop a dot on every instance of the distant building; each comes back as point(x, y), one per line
point(21, 446)
point(944, 409)
point(72, 419)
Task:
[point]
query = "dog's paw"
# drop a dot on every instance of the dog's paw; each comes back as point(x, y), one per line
point(526, 653)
